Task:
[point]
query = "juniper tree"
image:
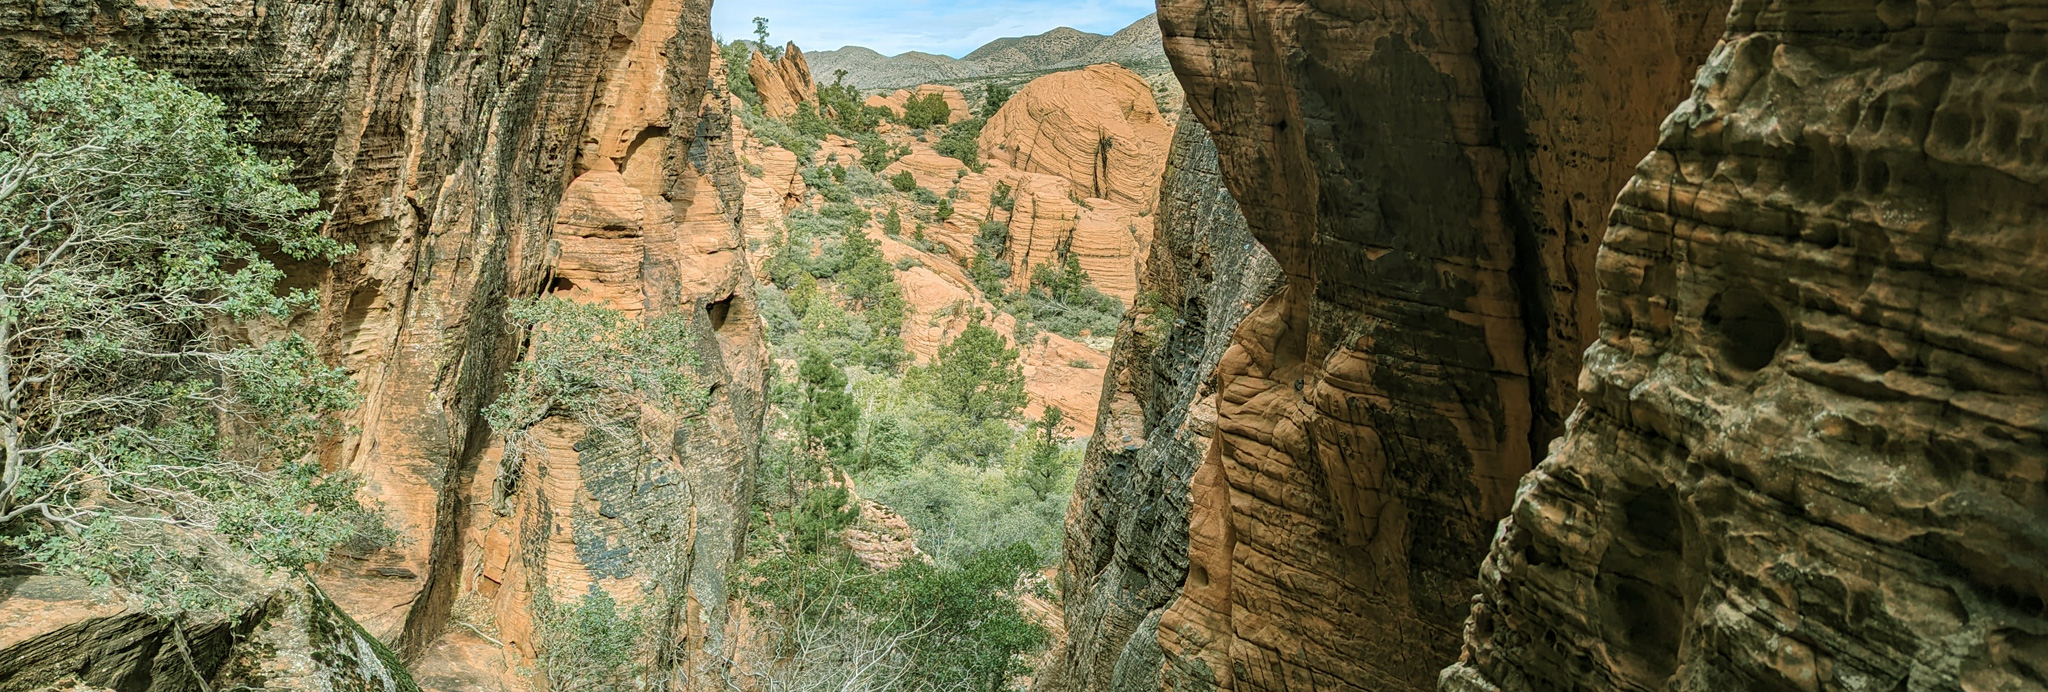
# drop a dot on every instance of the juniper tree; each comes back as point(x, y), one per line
point(147, 442)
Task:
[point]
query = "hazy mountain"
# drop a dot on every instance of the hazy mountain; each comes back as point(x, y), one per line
point(1136, 46)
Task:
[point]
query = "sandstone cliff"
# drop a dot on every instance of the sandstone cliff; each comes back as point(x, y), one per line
point(1427, 178)
point(1810, 452)
point(1125, 559)
point(783, 83)
point(474, 156)
point(1097, 127)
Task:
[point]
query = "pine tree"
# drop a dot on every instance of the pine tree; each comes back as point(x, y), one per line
point(829, 415)
point(1043, 469)
point(976, 376)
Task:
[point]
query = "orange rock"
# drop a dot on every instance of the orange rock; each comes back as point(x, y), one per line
point(784, 82)
point(1097, 127)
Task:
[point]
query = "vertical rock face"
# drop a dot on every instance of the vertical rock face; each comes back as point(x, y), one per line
point(477, 153)
point(1810, 452)
point(1126, 557)
point(783, 83)
point(1083, 152)
point(1425, 174)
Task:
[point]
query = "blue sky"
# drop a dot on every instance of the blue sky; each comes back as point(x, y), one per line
point(948, 27)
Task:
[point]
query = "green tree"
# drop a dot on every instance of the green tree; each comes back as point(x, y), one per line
point(903, 181)
point(1043, 468)
point(977, 376)
point(761, 39)
point(143, 438)
point(893, 223)
point(929, 110)
point(992, 100)
point(829, 415)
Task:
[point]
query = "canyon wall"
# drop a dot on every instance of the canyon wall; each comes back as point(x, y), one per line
point(1428, 177)
point(1810, 454)
point(1126, 548)
point(477, 153)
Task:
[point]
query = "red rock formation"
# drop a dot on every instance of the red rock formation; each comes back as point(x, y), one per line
point(783, 83)
point(1421, 173)
point(447, 157)
point(1097, 127)
point(1811, 450)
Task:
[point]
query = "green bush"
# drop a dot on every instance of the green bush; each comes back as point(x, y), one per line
point(589, 644)
point(863, 184)
point(148, 445)
point(926, 111)
point(993, 99)
point(903, 181)
point(1063, 299)
point(962, 141)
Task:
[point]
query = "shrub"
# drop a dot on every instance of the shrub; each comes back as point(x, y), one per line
point(926, 111)
point(962, 141)
point(903, 181)
point(1064, 300)
point(864, 184)
point(893, 223)
point(589, 644)
point(1004, 197)
point(146, 442)
point(924, 196)
point(993, 99)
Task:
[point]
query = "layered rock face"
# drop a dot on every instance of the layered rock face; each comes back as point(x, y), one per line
point(1810, 453)
point(1097, 126)
point(1080, 154)
point(1428, 177)
point(1125, 559)
point(477, 155)
point(783, 83)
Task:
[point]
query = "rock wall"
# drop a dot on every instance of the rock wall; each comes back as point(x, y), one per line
point(1426, 175)
point(1124, 559)
point(446, 137)
point(60, 633)
point(1083, 152)
point(1810, 452)
point(1097, 127)
point(783, 83)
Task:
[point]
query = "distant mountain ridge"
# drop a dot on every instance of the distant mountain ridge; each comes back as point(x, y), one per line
point(1137, 46)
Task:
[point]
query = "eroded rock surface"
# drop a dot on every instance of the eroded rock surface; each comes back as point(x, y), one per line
point(1126, 547)
point(62, 633)
point(1810, 451)
point(1426, 175)
point(474, 156)
point(1098, 127)
point(783, 83)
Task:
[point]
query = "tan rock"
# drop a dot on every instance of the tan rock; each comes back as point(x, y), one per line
point(1097, 127)
point(783, 83)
